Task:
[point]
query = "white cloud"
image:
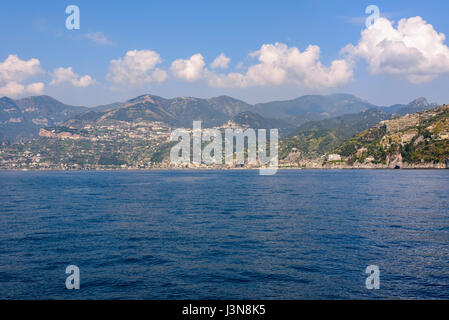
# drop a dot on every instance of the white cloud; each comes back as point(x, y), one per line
point(99, 38)
point(12, 89)
point(412, 49)
point(158, 75)
point(134, 68)
point(282, 65)
point(35, 88)
point(220, 62)
point(230, 80)
point(15, 69)
point(190, 70)
point(66, 75)
point(83, 81)
point(278, 65)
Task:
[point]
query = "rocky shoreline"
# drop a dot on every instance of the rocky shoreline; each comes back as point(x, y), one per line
point(402, 165)
point(316, 167)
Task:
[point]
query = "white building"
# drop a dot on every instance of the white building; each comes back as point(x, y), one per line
point(334, 157)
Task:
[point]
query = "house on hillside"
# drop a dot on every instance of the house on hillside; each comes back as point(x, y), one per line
point(334, 157)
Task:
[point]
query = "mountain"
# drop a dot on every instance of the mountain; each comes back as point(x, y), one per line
point(106, 107)
point(83, 119)
point(21, 120)
point(416, 105)
point(142, 125)
point(48, 107)
point(9, 110)
point(228, 105)
point(316, 138)
point(212, 111)
point(180, 112)
point(142, 108)
point(248, 119)
point(13, 126)
point(112, 144)
point(312, 107)
point(419, 139)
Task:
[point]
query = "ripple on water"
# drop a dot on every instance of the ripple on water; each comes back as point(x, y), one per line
point(224, 234)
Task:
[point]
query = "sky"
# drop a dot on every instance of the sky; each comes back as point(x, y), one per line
point(256, 51)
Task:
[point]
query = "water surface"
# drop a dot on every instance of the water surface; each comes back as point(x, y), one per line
point(299, 234)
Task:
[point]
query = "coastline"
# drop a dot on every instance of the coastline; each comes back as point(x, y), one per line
point(220, 169)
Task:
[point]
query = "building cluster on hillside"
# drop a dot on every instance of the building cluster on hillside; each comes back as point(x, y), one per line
point(113, 144)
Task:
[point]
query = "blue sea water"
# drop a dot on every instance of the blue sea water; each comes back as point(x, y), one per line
point(299, 234)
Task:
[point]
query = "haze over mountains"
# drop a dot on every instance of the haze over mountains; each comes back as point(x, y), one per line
point(20, 120)
point(313, 107)
point(417, 105)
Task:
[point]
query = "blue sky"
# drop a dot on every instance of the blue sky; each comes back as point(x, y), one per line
point(162, 32)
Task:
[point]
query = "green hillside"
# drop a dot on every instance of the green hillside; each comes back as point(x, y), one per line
point(412, 139)
point(316, 138)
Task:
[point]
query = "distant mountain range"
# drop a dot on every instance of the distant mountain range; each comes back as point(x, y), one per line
point(315, 138)
point(417, 105)
point(312, 107)
point(181, 112)
point(135, 134)
point(249, 119)
point(177, 112)
point(20, 120)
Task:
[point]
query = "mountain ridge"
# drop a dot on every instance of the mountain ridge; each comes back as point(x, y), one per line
point(24, 117)
point(317, 144)
point(21, 119)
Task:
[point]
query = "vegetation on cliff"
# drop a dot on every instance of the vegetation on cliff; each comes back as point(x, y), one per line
point(421, 137)
point(316, 138)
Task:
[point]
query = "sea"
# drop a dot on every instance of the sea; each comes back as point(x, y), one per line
point(232, 234)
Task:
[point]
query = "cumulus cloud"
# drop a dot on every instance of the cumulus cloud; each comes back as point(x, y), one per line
point(99, 38)
point(278, 65)
point(83, 81)
point(136, 68)
point(66, 75)
point(282, 65)
point(413, 49)
point(158, 76)
point(35, 88)
point(191, 69)
point(14, 71)
point(220, 62)
point(12, 89)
